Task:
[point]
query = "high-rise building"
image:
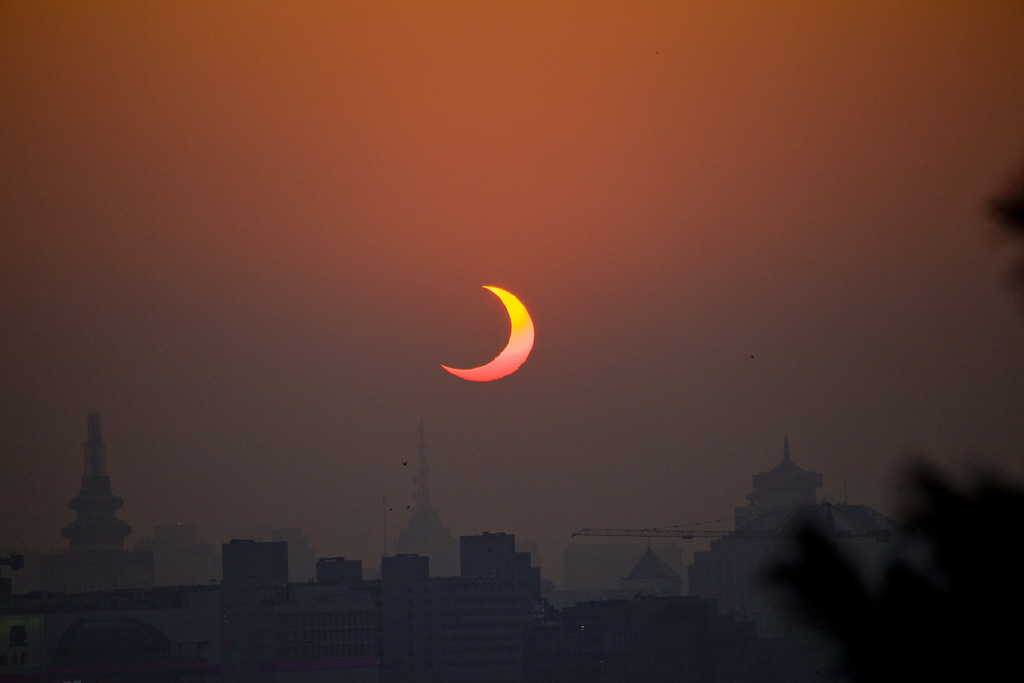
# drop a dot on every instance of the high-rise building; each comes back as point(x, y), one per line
point(458, 629)
point(301, 556)
point(425, 534)
point(254, 574)
point(97, 560)
point(252, 565)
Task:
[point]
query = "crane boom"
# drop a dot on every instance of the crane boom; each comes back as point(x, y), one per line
point(881, 535)
point(790, 526)
point(672, 533)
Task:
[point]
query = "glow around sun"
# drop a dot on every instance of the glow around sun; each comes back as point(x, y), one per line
point(520, 343)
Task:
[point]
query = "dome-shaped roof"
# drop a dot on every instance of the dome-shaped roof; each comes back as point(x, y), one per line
point(112, 641)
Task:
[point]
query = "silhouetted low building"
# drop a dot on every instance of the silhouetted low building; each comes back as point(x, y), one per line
point(279, 631)
point(254, 564)
point(162, 635)
point(320, 632)
point(338, 570)
point(646, 640)
point(252, 627)
point(179, 557)
point(116, 649)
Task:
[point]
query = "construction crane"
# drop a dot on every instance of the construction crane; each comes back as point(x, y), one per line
point(785, 528)
point(881, 535)
point(14, 561)
point(674, 533)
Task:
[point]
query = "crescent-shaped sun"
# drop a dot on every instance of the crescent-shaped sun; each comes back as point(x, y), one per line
point(520, 343)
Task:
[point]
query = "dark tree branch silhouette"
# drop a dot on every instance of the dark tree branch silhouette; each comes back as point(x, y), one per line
point(1008, 210)
point(953, 614)
point(943, 616)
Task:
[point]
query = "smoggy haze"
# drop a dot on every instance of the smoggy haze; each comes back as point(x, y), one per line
point(249, 234)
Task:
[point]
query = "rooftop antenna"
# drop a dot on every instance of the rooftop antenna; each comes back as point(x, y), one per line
point(422, 474)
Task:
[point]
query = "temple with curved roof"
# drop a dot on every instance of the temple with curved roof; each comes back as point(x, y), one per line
point(783, 499)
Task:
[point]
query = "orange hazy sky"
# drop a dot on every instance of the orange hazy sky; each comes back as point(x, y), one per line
point(249, 233)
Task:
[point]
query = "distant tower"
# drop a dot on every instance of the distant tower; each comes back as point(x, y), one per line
point(422, 475)
point(96, 527)
point(425, 533)
point(783, 489)
point(97, 560)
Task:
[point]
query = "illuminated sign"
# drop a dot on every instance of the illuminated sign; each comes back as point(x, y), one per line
point(21, 646)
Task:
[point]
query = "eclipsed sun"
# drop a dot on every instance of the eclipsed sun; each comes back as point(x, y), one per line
point(520, 343)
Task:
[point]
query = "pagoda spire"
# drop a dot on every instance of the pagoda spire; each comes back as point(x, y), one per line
point(95, 449)
point(96, 526)
point(422, 474)
point(785, 448)
point(425, 534)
